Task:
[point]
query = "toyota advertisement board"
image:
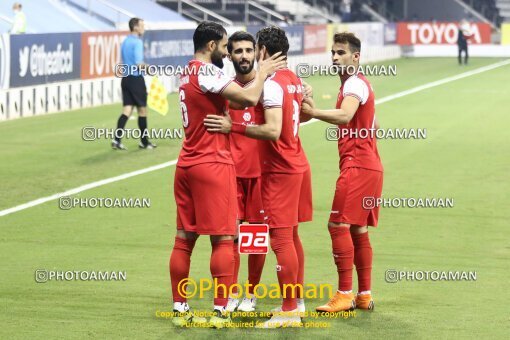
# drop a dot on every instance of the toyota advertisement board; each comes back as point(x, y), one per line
point(440, 33)
point(100, 52)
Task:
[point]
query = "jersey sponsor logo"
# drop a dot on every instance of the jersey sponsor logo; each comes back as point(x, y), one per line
point(253, 239)
point(247, 116)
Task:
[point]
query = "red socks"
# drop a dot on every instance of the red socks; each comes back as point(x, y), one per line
point(255, 266)
point(237, 262)
point(282, 243)
point(301, 259)
point(363, 260)
point(222, 265)
point(343, 253)
point(179, 264)
point(222, 269)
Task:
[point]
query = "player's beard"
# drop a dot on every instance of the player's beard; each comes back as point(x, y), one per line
point(217, 58)
point(243, 69)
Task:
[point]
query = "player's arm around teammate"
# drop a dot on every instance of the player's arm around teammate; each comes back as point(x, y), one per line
point(269, 130)
point(245, 153)
point(250, 95)
point(286, 185)
point(205, 179)
point(340, 116)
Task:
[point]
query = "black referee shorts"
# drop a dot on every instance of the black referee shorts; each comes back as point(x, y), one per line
point(134, 91)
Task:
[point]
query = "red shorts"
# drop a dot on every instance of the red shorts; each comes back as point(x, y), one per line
point(353, 185)
point(249, 200)
point(205, 195)
point(287, 198)
point(305, 211)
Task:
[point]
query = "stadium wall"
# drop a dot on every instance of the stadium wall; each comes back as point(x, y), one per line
point(45, 73)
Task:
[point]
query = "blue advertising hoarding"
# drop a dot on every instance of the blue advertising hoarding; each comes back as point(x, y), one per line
point(44, 58)
point(295, 34)
point(390, 33)
point(168, 47)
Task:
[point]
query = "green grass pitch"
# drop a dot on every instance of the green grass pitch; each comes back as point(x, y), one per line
point(466, 156)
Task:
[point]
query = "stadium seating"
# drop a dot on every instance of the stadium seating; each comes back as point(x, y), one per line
point(117, 12)
point(233, 10)
point(335, 7)
point(46, 16)
point(495, 11)
point(305, 12)
point(5, 23)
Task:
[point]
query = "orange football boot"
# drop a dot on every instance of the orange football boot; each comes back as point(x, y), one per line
point(339, 302)
point(364, 302)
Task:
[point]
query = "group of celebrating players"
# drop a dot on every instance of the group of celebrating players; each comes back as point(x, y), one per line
point(242, 161)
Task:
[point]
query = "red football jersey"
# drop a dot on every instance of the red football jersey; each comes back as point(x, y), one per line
point(284, 89)
point(199, 95)
point(245, 150)
point(355, 150)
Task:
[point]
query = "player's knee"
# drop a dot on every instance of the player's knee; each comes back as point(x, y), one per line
point(186, 235)
point(356, 229)
point(279, 245)
point(127, 110)
point(142, 111)
point(181, 234)
point(218, 238)
point(280, 239)
point(338, 225)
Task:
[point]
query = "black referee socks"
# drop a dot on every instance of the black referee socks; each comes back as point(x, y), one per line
point(121, 123)
point(142, 124)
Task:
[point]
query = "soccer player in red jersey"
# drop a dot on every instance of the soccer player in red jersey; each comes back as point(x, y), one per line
point(204, 183)
point(286, 185)
point(241, 49)
point(361, 176)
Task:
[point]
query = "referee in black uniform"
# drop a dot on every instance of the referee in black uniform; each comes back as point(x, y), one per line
point(134, 91)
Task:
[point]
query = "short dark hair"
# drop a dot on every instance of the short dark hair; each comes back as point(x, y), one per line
point(239, 36)
point(134, 22)
point(205, 32)
point(274, 39)
point(348, 38)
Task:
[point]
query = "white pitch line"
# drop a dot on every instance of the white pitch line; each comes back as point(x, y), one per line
point(173, 162)
point(86, 187)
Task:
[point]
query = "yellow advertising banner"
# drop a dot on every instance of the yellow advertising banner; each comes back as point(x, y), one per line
point(332, 29)
point(505, 33)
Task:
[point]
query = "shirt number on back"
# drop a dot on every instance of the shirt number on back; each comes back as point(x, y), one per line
point(295, 117)
point(184, 109)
